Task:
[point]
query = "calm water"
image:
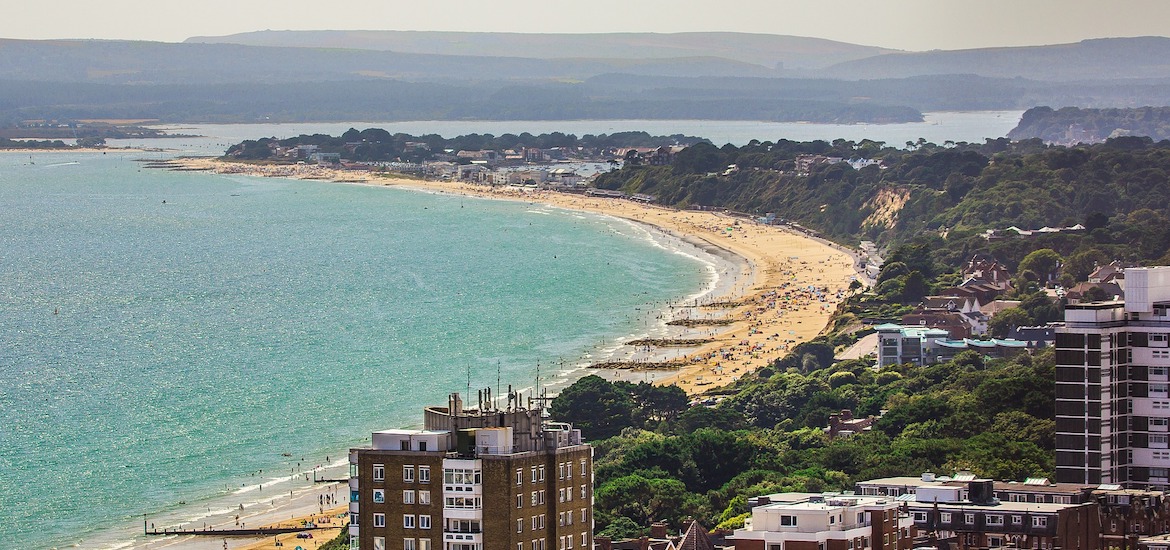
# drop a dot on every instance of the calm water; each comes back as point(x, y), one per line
point(154, 352)
point(938, 127)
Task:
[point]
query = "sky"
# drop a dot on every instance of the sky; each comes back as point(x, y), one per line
point(913, 25)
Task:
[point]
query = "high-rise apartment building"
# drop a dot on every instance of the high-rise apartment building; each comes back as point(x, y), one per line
point(474, 479)
point(1112, 403)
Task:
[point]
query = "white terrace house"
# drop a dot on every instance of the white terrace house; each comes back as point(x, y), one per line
point(788, 521)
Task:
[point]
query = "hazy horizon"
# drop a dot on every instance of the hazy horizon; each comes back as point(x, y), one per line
point(911, 25)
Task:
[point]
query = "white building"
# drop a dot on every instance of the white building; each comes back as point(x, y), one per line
point(798, 521)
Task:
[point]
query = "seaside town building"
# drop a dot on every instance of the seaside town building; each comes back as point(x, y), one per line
point(1112, 398)
point(824, 521)
point(920, 345)
point(964, 512)
point(474, 479)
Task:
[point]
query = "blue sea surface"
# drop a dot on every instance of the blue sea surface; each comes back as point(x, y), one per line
point(165, 336)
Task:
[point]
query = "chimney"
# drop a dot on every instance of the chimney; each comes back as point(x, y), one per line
point(658, 530)
point(846, 415)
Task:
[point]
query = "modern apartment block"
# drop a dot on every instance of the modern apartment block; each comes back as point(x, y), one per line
point(473, 479)
point(829, 521)
point(1112, 403)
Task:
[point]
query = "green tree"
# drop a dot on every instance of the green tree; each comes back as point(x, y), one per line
point(1044, 263)
point(595, 406)
point(1006, 320)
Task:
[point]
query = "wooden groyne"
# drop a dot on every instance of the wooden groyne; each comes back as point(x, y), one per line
point(235, 531)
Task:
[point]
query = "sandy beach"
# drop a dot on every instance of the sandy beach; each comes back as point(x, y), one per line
point(786, 288)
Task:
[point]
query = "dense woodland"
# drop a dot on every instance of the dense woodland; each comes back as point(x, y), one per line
point(657, 458)
point(378, 145)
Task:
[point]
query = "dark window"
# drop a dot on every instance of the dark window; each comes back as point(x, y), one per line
point(1139, 339)
point(1065, 340)
point(1070, 357)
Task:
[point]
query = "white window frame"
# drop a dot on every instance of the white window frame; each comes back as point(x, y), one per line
point(408, 474)
point(379, 472)
point(424, 474)
point(424, 521)
point(379, 496)
point(379, 519)
point(408, 521)
point(407, 496)
point(424, 497)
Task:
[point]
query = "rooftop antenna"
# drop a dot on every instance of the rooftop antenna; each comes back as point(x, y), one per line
point(469, 380)
point(498, 378)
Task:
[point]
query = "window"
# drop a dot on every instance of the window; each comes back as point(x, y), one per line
point(541, 470)
point(994, 520)
point(424, 497)
point(1017, 520)
point(520, 526)
point(461, 476)
point(561, 495)
point(541, 521)
point(407, 497)
point(920, 516)
point(945, 517)
point(534, 502)
point(519, 501)
point(541, 494)
point(560, 470)
point(379, 496)
point(533, 474)
point(1158, 440)
point(533, 523)
point(424, 522)
point(379, 472)
point(569, 494)
point(408, 474)
point(424, 474)
point(583, 467)
point(463, 503)
point(584, 516)
point(787, 521)
point(1159, 421)
point(379, 520)
point(1157, 371)
point(353, 518)
point(1039, 521)
point(422, 445)
point(408, 544)
point(584, 541)
point(519, 476)
point(969, 519)
point(379, 543)
point(424, 544)
point(408, 521)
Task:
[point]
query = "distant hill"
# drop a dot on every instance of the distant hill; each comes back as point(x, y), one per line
point(767, 50)
point(118, 61)
point(1096, 60)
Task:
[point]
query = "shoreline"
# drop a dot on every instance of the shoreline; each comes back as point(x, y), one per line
point(788, 283)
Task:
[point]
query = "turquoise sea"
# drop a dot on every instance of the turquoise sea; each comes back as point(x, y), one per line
point(165, 336)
